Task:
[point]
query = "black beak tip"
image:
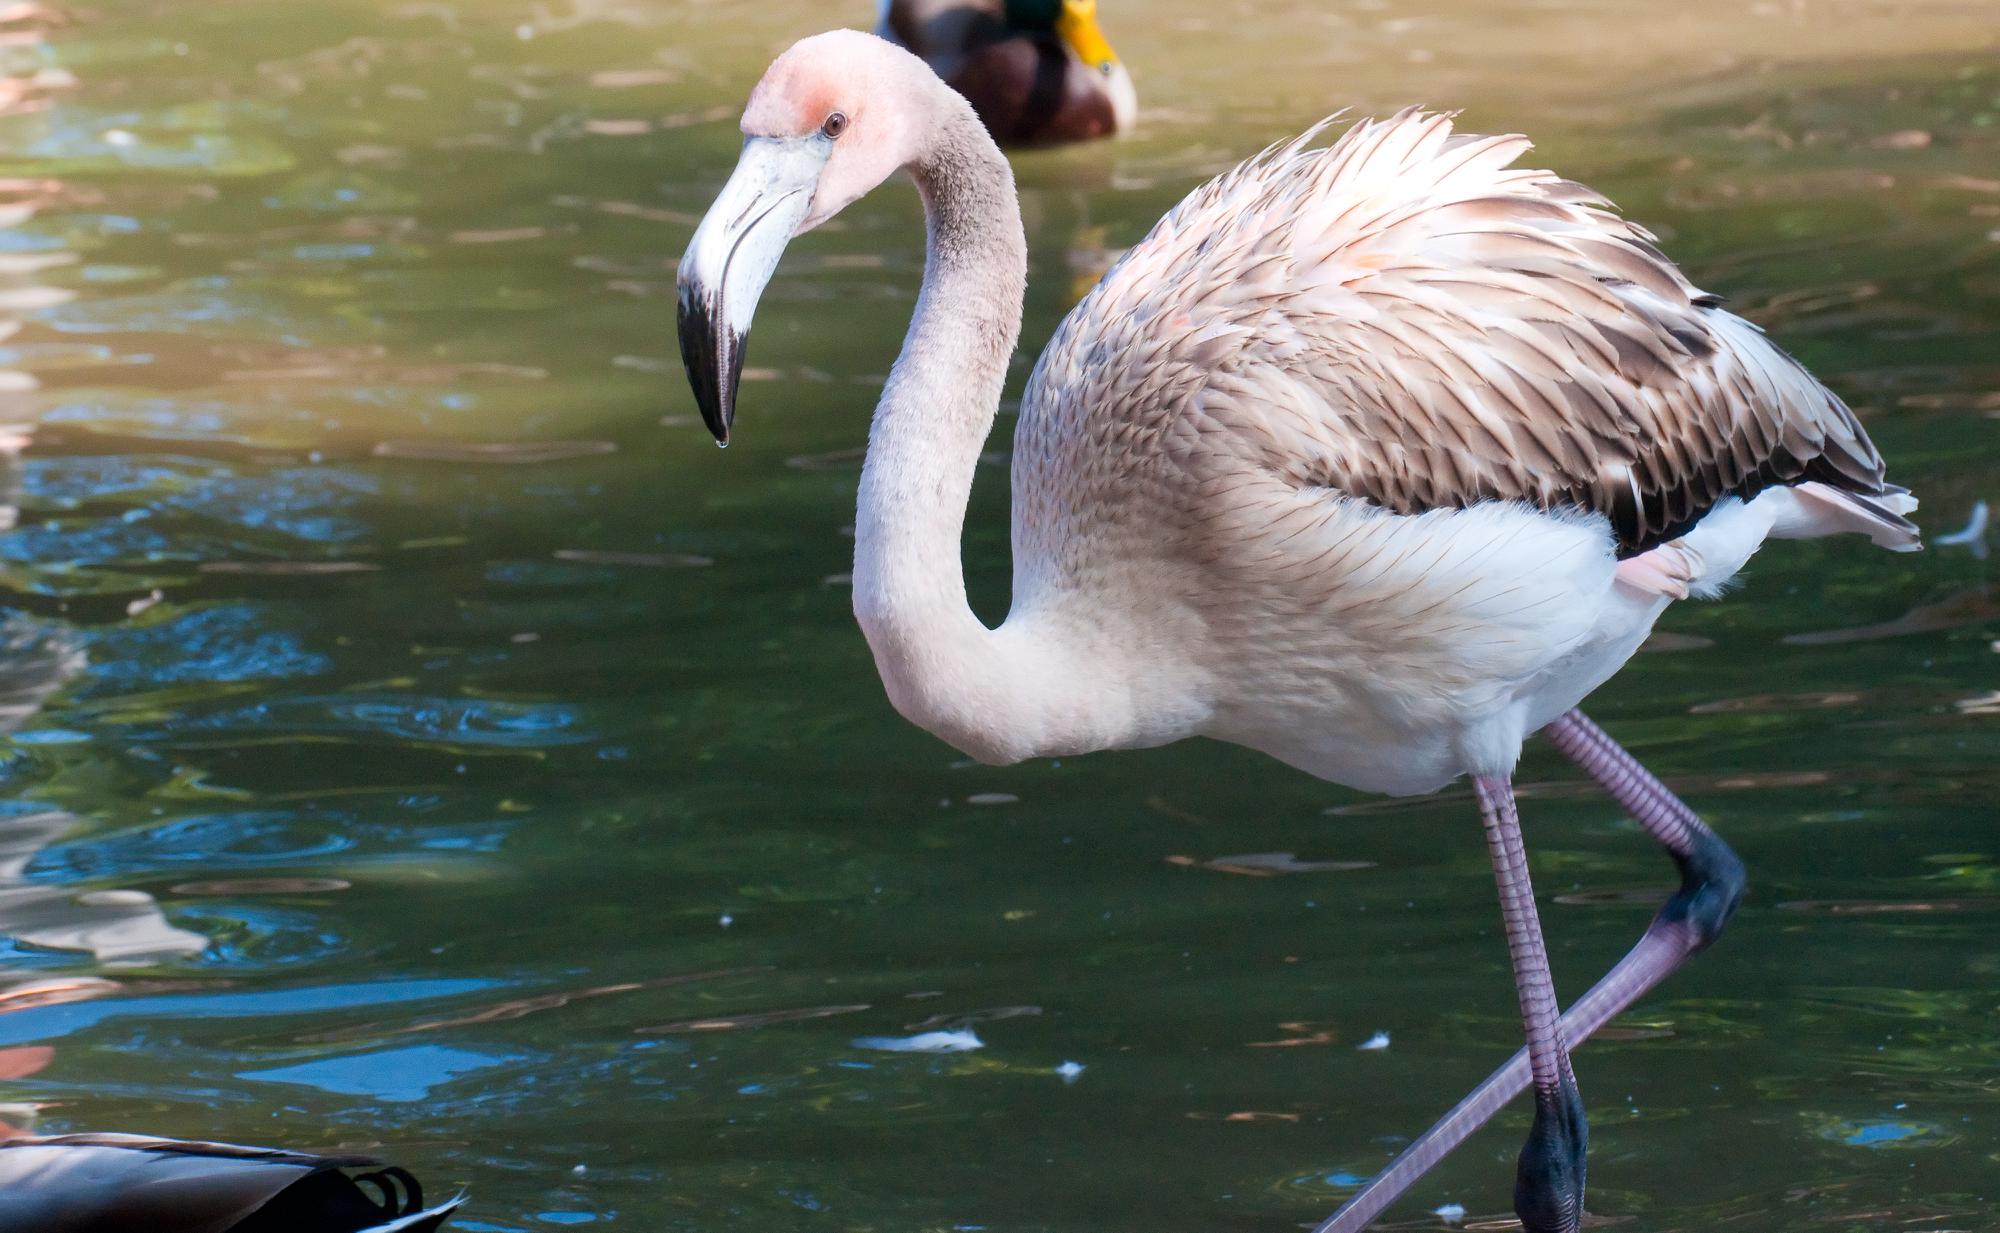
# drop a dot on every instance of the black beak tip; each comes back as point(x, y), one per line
point(713, 356)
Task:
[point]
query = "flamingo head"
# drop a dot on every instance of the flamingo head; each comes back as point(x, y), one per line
point(833, 117)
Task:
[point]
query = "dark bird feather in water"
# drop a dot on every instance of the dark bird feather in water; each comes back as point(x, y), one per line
point(114, 1183)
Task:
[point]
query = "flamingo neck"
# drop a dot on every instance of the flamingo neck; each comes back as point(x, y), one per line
point(974, 687)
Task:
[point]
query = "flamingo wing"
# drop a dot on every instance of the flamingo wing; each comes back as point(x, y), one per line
point(1405, 317)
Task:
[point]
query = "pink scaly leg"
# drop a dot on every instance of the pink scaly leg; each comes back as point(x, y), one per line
point(1548, 1181)
point(1711, 887)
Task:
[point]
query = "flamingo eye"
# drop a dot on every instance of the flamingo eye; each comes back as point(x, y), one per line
point(835, 125)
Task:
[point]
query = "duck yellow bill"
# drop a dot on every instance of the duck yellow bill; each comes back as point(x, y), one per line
point(1077, 26)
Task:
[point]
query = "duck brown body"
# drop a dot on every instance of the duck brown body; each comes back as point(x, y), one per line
point(1030, 86)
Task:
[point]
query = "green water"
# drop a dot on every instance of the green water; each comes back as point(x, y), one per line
point(513, 791)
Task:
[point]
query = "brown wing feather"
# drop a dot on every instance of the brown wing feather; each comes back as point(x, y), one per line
point(1405, 317)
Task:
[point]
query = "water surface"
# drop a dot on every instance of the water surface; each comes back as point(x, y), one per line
point(420, 736)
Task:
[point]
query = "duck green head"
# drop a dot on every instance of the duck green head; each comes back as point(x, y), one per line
point(1073, 21)
point(1033, 14)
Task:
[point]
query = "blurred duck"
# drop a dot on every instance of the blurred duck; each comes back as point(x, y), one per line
point(1038, 72)
point(109, 1183)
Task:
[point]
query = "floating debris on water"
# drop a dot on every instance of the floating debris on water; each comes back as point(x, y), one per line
point(755, 1019)
point(1374, 1044)
point(263, 886)
point(1970, 607)
point(1070, 1071)
point(962, 1019)
point(1450, 1213)
point(287, 569)
point(1269, 864)
point(506, 452)
point(961, 1041)
point(1984, 704)
point(1662, 641)
point(656, 560)
point(1972, 535)
point(1878, 907)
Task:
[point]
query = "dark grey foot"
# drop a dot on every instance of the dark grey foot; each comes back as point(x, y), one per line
point(1712, 885)
point(1548, 1182)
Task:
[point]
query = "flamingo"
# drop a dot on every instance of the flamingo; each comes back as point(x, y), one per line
point(1377, 456)
point(1038, 72)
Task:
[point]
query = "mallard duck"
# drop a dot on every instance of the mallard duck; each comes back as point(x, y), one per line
point(107, 1183)
point(1038, 72)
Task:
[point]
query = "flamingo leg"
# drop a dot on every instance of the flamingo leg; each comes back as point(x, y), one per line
point(1549, 1178)
point(1711, 887)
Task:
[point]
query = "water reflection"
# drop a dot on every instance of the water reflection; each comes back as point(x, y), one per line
point(27, 89)
point(114, 927)
point(395, 1075)
point(1975, 607)
point(42, 921)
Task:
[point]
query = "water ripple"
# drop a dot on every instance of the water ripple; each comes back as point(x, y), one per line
point(213, 644)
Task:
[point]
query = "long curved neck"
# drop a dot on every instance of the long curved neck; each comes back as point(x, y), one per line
point(942, 667)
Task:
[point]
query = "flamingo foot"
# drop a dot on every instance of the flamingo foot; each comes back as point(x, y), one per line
point(1549, 1177)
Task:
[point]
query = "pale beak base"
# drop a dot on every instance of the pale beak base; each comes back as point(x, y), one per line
point(732, 257)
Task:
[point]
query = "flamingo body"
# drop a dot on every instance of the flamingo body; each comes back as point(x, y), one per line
point(1380, 420)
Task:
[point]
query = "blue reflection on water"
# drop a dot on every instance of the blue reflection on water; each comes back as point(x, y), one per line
point(104, 477)
point(183, 308)
point(21, 240)
point(455, 723)
point(333, 252)
point(85, 543)
point(53, 1022)
point(470, 721)
point(404, 1074)
point(249, 839)
point(225, 642)
point(1882, 1134)
point(299, 503)
point(244, 937)
point(184, 417)
point(222, 839)
point(52, 736)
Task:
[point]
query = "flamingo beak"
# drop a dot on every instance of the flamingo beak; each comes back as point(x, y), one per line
point(732, 256)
